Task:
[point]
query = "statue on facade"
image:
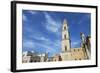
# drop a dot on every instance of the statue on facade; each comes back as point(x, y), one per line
point(83, 39)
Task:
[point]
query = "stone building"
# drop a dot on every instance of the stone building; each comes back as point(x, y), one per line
point(29, 56)
point(57, 58)
point(68, 53)
point(26, 57)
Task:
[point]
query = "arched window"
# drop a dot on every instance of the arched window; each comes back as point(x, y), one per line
point(75, 59)
point(65, 36)
point(65, 48)
point(64, 27)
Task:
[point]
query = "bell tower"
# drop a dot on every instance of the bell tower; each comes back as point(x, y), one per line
point(65, 37)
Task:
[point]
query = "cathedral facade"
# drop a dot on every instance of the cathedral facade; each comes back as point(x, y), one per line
point(68, 53)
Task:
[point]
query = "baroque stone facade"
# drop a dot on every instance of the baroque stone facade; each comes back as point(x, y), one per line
point(69, 53)
point(29, 56)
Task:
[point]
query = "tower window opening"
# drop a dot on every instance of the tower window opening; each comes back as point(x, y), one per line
point(65, 48)
point(75, 59)
point(64, 36)
point(65, 28)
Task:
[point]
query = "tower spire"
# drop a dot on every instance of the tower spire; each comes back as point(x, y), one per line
point(65, 25)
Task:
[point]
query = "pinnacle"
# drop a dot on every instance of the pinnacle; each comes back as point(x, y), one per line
point(65, 21)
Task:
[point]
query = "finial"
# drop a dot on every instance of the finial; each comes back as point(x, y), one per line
point(65, 21)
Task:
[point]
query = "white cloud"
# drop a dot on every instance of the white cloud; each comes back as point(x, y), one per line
point(47, 47)
point(44, 39)
point(47, 43)
point(32, 12)
point(75, 43)
point(40, 37)
point(28, 44)
point(24, 17)
point(51, 24)
point(52, 28)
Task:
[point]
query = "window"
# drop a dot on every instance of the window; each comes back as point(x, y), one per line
point(65, 48)
point(65, 36)
point(78, 49)
point(34, 60)
point(75, 59)
point(64, 27)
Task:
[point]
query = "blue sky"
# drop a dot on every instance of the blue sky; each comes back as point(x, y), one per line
point(42, 30)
